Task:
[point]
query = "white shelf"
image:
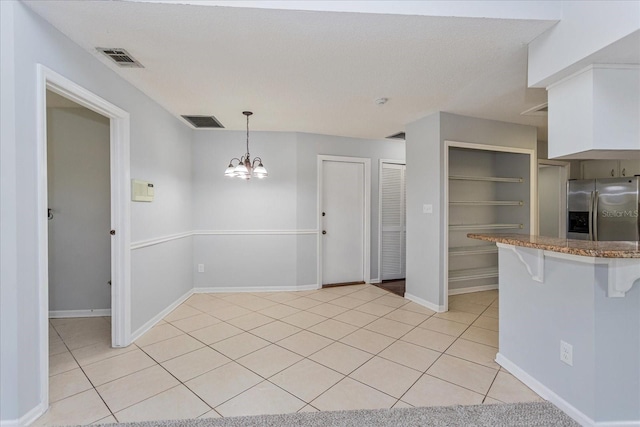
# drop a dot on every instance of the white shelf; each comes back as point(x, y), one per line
point(473, 250)
point(485, 178)
point(472, 273)
point(487, 203)
point(484, 226)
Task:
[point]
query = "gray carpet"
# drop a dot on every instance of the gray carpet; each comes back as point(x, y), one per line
point(513, 414)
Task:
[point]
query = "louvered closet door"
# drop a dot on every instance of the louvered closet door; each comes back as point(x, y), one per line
point(393, 222)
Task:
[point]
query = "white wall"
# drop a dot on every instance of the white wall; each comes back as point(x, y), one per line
point(160, 152)
point(79, 196)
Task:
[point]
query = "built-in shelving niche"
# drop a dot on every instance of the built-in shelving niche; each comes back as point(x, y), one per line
point(488, 192)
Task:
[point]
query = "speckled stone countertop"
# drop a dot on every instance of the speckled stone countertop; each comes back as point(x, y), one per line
point(567, 246)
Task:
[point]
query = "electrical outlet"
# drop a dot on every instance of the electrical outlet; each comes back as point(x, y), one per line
point(427, 208)
point(566, 353)
point(200, 268)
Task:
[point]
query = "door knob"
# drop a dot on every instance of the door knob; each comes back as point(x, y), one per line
point(324, 231)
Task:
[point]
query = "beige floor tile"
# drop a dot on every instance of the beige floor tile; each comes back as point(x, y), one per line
point(356, 318)
point(410, 355)
point(365, 295)
point(429, 339)
point(173, 347)
point(174, 404)
point(221, 384)
point(264, 398)
point(117, 367)
point(61, 362)
point(211, 414)
point(333, 329)
point(275, 331)
point(279, 311)
point(448, 327)
point(281, 296)
point(158, 333)
point(250, 321)
point(87, 338)
point(57, 347)
point(308, 408)
point(214, 333)
point(417, 308)
point(327, 310)
point(71, 327)
point(269, 360)
point(482, 336)
point(134, 388)
point(375, 309)
point(474, 352)
point(99, 351)
point(492, 312)
point(463, 373)
point(371, 342)
point(256, 304)
point(229, 312)
point(341, 357)
point(509, 389)
point(306, 379)
point(303, 303)
point(323, 296)
point(351, 394)
point(303, 319)
point(181, 312)
point(487, 322)
point(210, 304)
point(386, 376)
point(490, 401)
point(389, 327)
point(457, 316)
point(406, 316)
point(67, 384)
point(196, 322)
point(483, 298)
point(343, 290)
point(304, 343)
point(107, 420)
point(196, 363)
point(347, 302)
point(239, 345)
point(467, 307)
point(195, 299)
point(392, 301)
point(401, 404)
point(81, 408)
point(431, 391)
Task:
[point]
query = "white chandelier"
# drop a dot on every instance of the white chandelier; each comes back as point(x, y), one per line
point(246, 168)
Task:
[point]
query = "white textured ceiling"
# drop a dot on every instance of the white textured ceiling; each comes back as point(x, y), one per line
point(306, 71)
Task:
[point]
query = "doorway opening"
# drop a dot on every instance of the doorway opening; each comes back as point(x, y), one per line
point(344, 185)
point(552, 197)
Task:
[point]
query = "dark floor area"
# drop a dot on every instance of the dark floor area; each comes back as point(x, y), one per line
point(395, 286)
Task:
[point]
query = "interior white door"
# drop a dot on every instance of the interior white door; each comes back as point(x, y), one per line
point(343, 213)
point(551, 200)
point(393, 235)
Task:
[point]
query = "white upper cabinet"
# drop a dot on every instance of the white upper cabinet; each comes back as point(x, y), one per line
point(629, 167)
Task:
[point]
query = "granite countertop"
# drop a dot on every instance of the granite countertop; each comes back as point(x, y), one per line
point(567, 246)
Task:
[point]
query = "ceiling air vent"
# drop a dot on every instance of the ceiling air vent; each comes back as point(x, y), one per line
point(399, 135)
point(538, 110)
point(120, 57)
point(209, 122)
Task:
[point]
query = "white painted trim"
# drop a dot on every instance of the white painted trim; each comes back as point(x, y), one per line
point(47, 79)
point(374, 281)
point(158, 317)
point(367, 211)
point(63, 314)
point(27, 418)
point(533, 195)
point(380, 163)
point(472, 289)
point(254, 232)
point(594, 67)
point(425, 303)
point(158, 240)
point(227, 289)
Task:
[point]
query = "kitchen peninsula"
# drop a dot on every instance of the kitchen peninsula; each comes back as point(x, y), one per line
point(570, 323)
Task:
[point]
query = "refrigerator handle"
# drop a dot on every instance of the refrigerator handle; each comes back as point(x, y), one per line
point(591, 216)
point(595, 215)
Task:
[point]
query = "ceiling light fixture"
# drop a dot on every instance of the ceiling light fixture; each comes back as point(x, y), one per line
point(246, 168)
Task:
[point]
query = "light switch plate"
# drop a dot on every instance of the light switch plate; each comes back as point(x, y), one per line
point(141, 191)
point(427, 209)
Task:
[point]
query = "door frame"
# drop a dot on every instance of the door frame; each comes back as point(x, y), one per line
point(380, 163)
point(563, 193)
point(366, 212)
point(48, 79)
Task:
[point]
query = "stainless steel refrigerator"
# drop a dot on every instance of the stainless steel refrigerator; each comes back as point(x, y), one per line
point(603, 209)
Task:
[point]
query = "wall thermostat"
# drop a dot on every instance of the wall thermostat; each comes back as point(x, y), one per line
point(141, 191)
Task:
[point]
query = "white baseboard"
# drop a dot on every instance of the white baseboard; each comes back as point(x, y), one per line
point(425, 303)
point(27, 418)
point(97, 312)
point(158, 317)
point(374, 281)
point(472, 289)
point(552, 397)
point(225, 289)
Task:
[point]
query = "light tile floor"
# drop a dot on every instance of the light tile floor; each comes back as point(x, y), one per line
point(352, 347)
